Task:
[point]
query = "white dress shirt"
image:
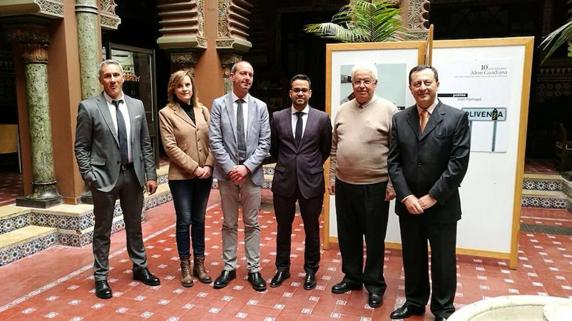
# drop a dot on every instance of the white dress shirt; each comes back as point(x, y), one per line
point(125, 114)
point(295, 119)
point(244, 111)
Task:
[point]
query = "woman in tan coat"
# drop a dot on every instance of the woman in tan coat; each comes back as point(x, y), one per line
point(184, 132)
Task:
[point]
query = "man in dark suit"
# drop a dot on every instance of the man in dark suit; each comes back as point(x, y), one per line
point(239, 134)
point(428, 159)
point(115, 159)
point(301, 143)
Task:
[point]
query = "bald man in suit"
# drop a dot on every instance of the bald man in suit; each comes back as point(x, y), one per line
point(239, 134)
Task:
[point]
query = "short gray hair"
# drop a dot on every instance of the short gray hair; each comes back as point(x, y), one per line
point(109, 62)
point(367, 67)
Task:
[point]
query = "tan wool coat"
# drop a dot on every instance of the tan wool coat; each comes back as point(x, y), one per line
point(185, 142)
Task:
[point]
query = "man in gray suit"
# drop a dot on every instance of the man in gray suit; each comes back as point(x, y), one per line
point(301, 143)
point(239, 134)
point(115, 159)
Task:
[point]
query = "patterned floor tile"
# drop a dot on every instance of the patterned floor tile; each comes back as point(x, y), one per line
point(45, 286)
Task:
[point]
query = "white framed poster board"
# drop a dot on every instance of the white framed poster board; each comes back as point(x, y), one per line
point(490, 79)
point(393, 61)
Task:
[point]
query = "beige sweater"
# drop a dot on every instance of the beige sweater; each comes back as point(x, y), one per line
point(360, 141)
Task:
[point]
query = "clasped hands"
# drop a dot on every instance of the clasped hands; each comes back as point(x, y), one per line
point(203, 172)
point(237, 174)
point(418, 206)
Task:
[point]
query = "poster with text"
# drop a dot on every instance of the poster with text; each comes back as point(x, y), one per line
point(479, 87)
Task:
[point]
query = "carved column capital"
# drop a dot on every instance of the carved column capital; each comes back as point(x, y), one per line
point(227, 60)
point(184, 60)
point(33, 40)
point(418, 17)
point(109, 19)
point(182, 24)
point(233, 25)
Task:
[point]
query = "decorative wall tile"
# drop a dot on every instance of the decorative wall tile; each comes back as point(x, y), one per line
point(22, 250)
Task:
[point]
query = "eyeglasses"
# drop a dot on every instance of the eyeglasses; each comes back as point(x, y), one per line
point(365, 82)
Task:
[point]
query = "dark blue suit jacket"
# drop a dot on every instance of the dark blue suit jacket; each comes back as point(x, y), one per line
point(301, 165)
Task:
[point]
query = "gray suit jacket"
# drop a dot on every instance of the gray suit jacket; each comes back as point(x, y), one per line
point(223, 142)
point(300, 166)
point(97, 145)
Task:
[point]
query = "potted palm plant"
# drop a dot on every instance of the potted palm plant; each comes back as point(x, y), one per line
point(362, 21)
point(555, 39)
point(552, 42)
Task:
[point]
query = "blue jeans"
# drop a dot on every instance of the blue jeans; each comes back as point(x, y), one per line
point(190, 197)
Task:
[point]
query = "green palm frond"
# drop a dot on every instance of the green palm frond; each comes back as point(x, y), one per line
point(361, 21)
point(556, 39)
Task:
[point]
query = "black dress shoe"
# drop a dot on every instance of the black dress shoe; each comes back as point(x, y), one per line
point(278, 278)
point(102, 290)
point(405, 311)
point(224, 278)
point(375, 300)
point(344, 287)
point(257, 282)
point(310, 281)
point(145, 276)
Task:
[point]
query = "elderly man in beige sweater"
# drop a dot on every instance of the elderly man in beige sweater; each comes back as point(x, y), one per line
point(359, 179)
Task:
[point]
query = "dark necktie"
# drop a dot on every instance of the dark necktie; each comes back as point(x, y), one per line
point(121, 132)
point(299, 124)
point(240, 131)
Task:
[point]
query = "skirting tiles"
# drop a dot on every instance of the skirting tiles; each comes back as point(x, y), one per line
point(11, 254)
point(76, 230)
point(531, 201)
point(14, 223)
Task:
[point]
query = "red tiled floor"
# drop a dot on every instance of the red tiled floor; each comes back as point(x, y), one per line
point(546, 216)
point(57, 283)
point(540, 166)
point(10, 187)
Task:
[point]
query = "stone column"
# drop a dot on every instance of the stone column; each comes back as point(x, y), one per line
point(32, 41)
point(227, 60)
point(89, 46)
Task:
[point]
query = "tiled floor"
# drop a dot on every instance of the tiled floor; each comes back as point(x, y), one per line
point(57, 284)
point(540, 166)
point(10, 187)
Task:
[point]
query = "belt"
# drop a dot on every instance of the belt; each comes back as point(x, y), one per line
point(127, 166)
